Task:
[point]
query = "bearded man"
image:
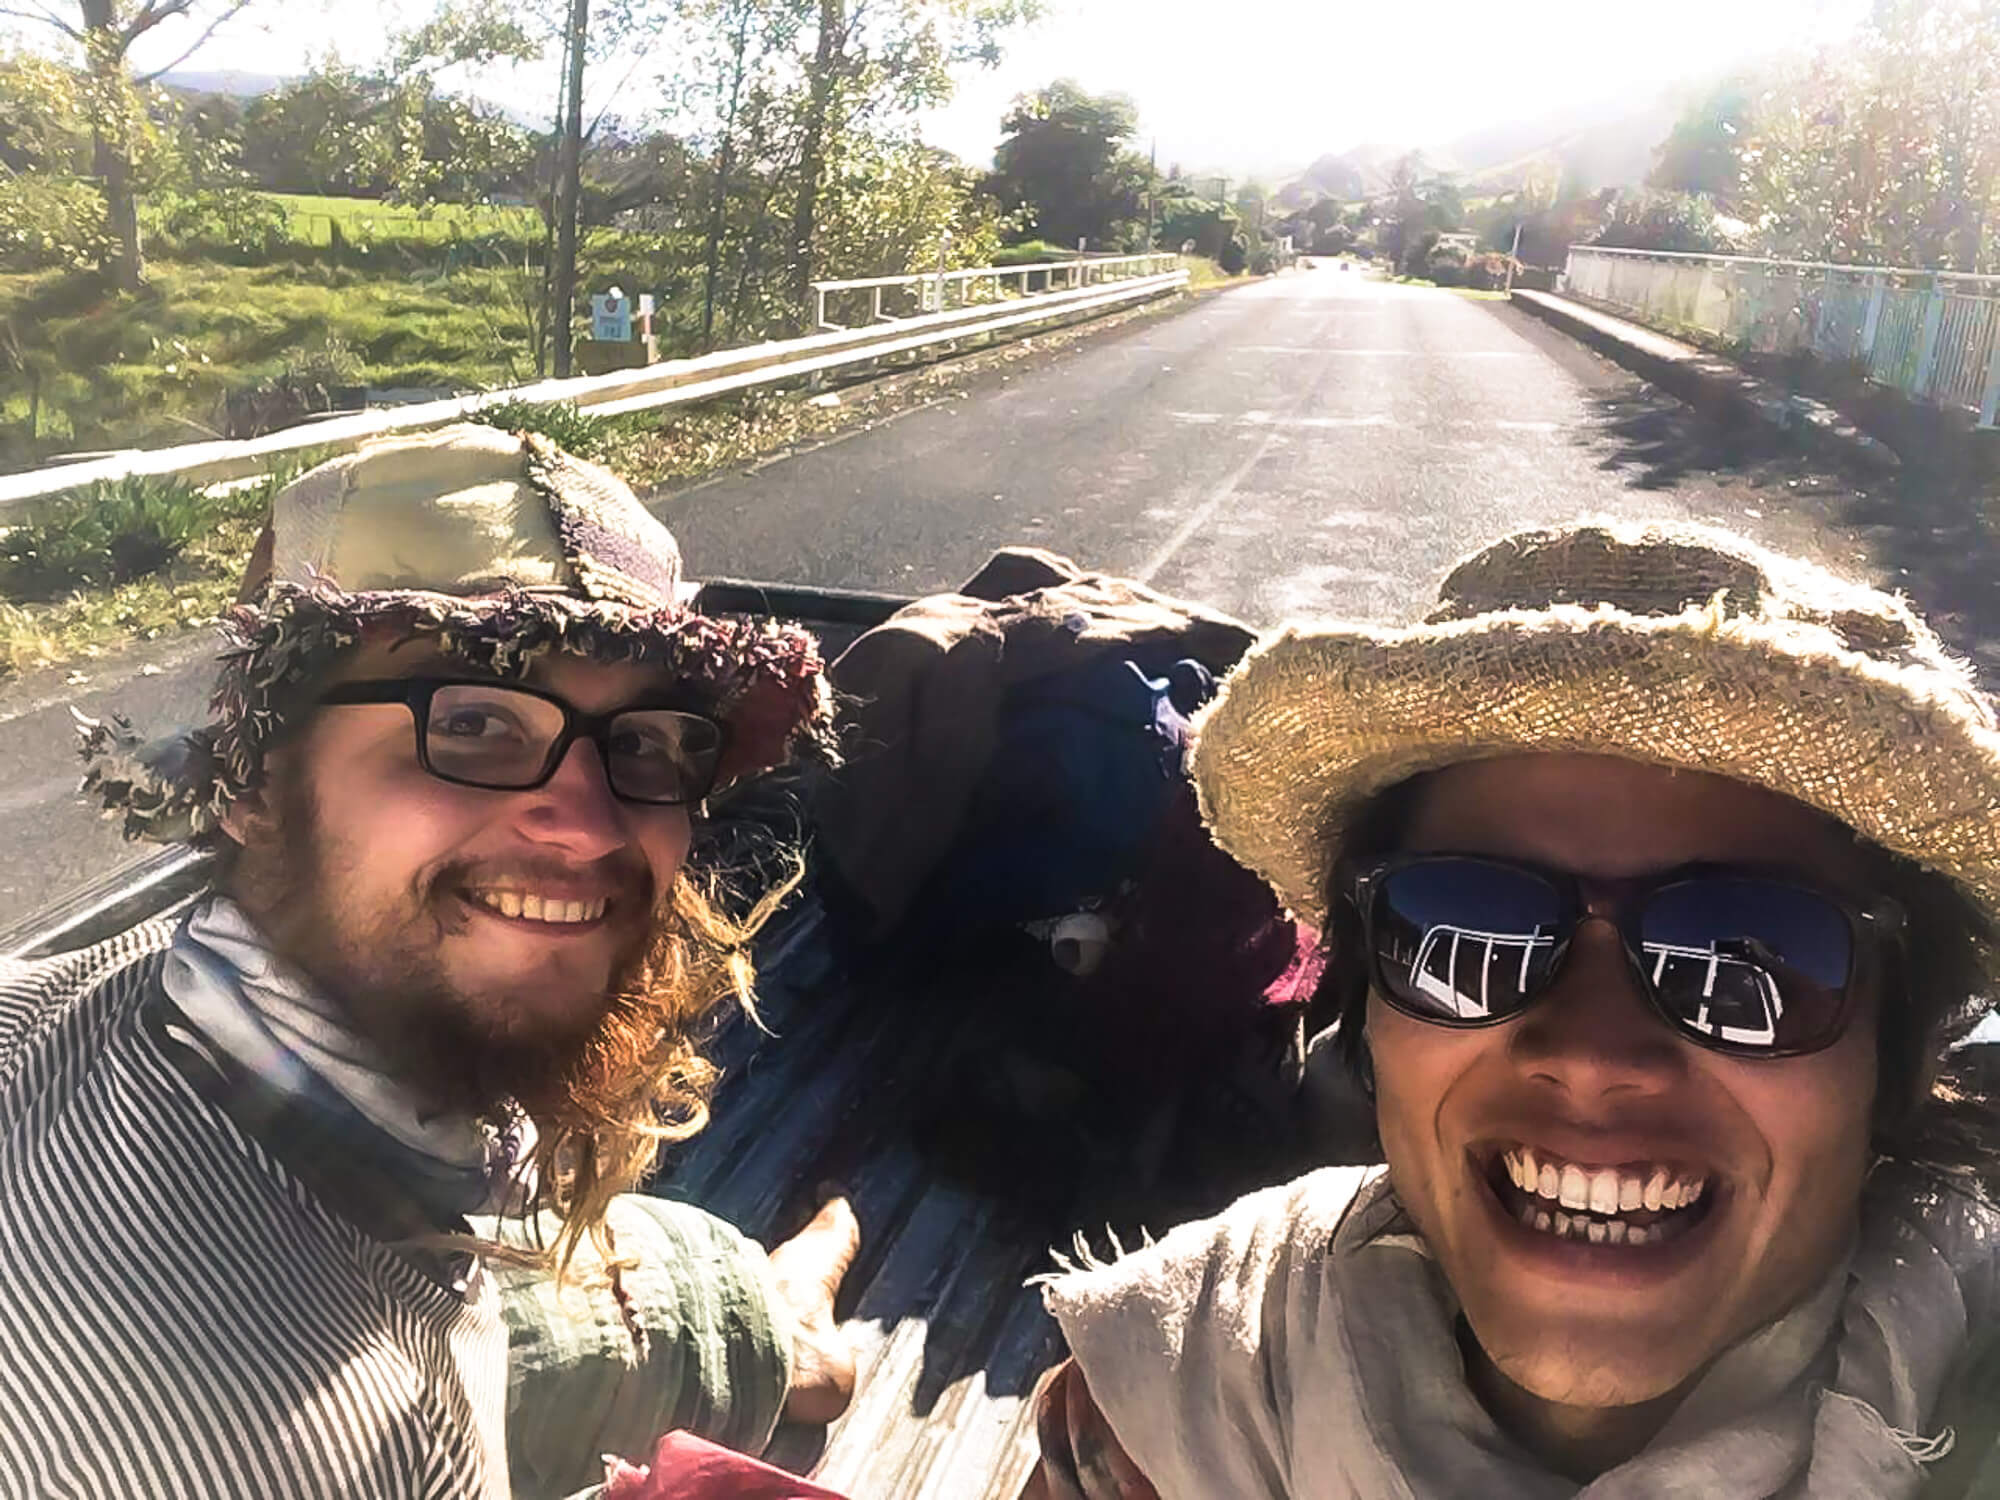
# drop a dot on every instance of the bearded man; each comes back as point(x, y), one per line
point(447, 990)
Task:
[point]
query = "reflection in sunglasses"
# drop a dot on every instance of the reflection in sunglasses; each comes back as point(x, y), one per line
point(1435, 971)
point(1738, 999)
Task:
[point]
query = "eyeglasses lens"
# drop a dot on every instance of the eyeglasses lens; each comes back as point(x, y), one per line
point(1463, 940)
point(658, 755)
point(490, 736)
point(1752, 963)
point(494, 736)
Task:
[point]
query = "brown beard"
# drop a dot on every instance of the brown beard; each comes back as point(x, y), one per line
point(604, 1094)
point(459, 1056)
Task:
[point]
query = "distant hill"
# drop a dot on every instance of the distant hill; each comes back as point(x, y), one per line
point(227, 81)
point(1606, 144)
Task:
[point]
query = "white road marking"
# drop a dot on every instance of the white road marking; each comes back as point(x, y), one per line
point(1205, 512)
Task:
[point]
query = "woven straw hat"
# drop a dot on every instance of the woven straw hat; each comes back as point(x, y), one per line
point(496, 547)
point(1677, 645)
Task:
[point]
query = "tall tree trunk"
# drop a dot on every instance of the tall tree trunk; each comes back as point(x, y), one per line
point(821, 78)
point(725, 169)
point(104, 54)
point(569, 189)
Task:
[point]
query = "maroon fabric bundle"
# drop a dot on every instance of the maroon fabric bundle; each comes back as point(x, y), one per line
point(686, 1467)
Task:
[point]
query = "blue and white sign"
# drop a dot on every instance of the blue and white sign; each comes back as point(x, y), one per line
point(611, 317)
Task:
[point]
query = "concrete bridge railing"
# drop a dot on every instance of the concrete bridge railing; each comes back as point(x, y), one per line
point(1934, 335)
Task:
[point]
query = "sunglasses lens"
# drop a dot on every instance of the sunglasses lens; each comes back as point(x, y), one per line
point(1464, 940)
point(1750, 963)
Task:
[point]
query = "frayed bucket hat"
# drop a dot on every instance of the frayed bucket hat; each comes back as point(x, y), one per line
point(1677, 645)
point(495, 547)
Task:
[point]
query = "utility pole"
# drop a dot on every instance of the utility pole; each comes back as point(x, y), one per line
point(1514, 254)
point(1152, 180)
point(569, 185)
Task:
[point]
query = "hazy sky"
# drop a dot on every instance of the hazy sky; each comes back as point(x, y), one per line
point(1241, 84)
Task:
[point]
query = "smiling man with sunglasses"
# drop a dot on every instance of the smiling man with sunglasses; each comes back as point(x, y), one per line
point(322, 1190)
point(1659, 874)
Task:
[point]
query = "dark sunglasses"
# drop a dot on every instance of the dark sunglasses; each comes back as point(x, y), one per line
point(1734, 959)
point(505, 737)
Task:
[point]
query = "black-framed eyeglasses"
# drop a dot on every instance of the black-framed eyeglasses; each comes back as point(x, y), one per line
point(1736, 959)
point(505, 737)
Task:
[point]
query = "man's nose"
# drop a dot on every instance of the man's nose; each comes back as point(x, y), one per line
point(1594, 1032)
point(575, 809)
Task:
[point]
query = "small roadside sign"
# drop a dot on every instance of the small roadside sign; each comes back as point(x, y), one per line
point(611, 317)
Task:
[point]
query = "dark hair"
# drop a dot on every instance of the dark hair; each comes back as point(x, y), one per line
point(1935, 1107)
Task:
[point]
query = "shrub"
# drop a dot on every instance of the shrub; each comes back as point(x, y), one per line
point(1031, 253)
point(47, 222)
point(582, 433)
point(110, 533)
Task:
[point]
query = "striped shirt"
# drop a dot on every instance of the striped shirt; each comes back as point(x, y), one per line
point(180, 1314)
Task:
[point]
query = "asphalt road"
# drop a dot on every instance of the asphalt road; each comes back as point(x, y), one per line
point(1313, 443)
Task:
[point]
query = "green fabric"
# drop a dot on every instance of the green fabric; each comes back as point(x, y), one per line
point(706, 1348)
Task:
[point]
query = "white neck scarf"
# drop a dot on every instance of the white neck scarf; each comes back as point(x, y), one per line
point(246, 1001)
point(1303, 1344)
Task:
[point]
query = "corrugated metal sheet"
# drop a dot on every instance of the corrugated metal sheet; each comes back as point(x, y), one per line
point(950, 1341)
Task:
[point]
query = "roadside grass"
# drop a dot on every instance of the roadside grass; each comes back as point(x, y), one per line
point(58, 605)
point(103, 371)
point(310, 215)
point(192, 591)
point(652, 451)
point(1205, 273)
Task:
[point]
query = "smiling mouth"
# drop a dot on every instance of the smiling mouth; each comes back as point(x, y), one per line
point(1631, 1204)
point(534, 906)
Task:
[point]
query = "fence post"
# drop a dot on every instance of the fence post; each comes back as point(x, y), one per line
point(1878, 288)
point(1989, 406)
point(1927, 357)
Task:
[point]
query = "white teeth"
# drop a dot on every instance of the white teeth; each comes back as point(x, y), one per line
point(1597, 1231)
point(1656, 1189)
point(1616, 1231)
point(1604, 1192)
point(1542, 1220)
point(1638, 1234)
point(1549, 1182)
point(1575, 1188)
point(1631, 1194)
point(1563, 1221)
point(539, 909)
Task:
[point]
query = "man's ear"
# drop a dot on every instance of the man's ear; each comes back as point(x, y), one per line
point(247, 820)
point(250, 819)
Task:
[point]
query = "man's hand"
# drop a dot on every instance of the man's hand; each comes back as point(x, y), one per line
point(808, 1269)
point(1081, 1458)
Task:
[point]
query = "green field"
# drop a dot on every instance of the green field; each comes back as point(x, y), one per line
point(310, 219)
point(103, 371)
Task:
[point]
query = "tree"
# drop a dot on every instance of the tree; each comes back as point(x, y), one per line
point(1419, 203)
point(1703, 152)
point(1651, 220)
point(874, 61)
point(104, 33)
point(1886, 150)
point(1063, 160)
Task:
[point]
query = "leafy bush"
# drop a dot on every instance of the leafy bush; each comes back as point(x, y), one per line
point(1666, 221)
point(110, 533)
point(228, 220)
point(1031, 253)
point(582, 433)
point(50, 221)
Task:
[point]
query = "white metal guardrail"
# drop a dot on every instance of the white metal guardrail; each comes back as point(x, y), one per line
point(671, 383)
point(1934, 335)
point(897, 298)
